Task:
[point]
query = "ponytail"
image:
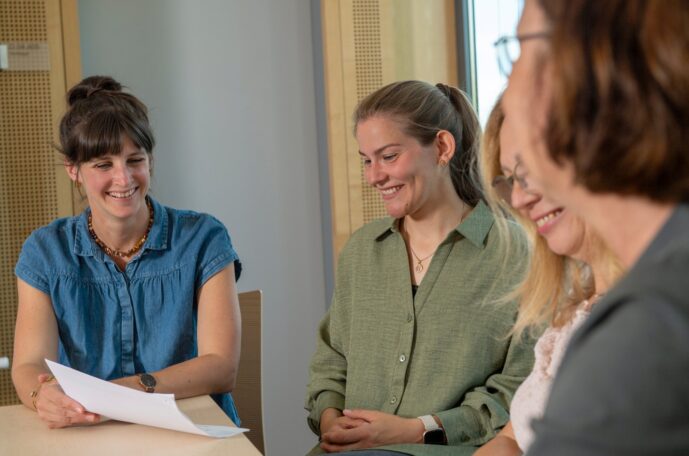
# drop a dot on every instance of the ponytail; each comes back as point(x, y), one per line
point(464, 168)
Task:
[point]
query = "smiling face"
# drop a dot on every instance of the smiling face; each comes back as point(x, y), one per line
point(406, 174)
point(115, 185)
point(561, 229)
point(527, 102)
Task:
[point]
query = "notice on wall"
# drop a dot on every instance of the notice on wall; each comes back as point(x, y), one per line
point(26, 56)
point(3, 57)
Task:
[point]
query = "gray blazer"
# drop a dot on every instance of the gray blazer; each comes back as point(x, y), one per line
point(623, 386)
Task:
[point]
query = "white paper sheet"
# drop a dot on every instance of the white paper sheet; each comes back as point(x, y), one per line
point(126, 404)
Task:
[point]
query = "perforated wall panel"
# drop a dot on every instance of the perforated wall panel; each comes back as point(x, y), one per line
point(28, 195)
point(369, 77)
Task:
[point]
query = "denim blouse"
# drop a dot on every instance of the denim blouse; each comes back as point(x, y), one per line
point(115, 323)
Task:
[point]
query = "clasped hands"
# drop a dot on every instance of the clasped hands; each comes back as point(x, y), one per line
point(357, 429)
point(57, 409)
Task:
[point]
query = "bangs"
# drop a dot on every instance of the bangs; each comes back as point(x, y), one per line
point(104, 134)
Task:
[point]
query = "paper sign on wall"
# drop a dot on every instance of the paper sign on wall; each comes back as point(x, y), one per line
point(25, 56)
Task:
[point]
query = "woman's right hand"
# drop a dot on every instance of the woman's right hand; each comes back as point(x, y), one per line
point(57, 409)
point(332, 418)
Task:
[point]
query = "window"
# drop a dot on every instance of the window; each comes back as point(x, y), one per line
point(491, 20)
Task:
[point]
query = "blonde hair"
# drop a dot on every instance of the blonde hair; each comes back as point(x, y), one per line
point(554, 285)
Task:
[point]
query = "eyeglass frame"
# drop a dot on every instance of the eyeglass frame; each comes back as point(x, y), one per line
point(509, 181)
point(503, 54)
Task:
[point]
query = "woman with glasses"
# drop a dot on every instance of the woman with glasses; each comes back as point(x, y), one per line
point(569, 269)
point(414, 353)
point(601, 108)
point(508, 49)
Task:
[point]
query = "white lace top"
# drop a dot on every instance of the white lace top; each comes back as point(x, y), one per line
point(530, 398)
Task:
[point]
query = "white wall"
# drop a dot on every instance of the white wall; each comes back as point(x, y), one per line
point(230, 85)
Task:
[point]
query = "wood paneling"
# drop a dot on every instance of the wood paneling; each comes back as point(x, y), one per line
point(367, 44)
point(34, 186)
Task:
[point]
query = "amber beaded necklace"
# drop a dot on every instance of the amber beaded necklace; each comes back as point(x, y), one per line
point(133, 250)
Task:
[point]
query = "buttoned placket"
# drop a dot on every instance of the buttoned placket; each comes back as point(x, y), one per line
point(409, 314)
point(406, 324)
point(407, 330)
point(127, 323)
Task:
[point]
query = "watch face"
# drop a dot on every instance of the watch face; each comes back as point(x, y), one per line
point(435, 437)
point(148, 380)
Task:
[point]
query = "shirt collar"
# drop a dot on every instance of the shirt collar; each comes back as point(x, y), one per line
point(157, 238)
point(84, 245)
point(474, 227)
point(672, 230)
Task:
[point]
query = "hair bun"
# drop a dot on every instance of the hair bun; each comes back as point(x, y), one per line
point(91, 86)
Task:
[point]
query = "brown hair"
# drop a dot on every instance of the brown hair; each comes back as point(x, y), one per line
point(554, 285)
point(424, 110)
point(100, 115)
point(620, 105)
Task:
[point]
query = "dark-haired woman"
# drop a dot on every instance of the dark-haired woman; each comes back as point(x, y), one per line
point(413, 350)
point(130, 290)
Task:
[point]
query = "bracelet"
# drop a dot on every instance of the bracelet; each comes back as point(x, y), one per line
point(37, 391)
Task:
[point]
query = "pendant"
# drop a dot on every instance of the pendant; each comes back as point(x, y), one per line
point(419, 267)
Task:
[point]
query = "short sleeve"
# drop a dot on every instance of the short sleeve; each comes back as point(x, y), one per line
point(216, 252)
point(31, 265)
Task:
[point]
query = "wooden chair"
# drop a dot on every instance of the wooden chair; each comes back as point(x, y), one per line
point(247, 392)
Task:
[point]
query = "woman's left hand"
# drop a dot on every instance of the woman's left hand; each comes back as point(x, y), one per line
point(379, 429)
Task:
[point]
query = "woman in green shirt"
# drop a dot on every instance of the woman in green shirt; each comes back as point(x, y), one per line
point(414, 350)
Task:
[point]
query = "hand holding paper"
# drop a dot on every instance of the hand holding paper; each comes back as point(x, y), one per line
point(56, 408)
point(125, 404)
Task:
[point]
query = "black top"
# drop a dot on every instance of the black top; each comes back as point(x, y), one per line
point(623, 385)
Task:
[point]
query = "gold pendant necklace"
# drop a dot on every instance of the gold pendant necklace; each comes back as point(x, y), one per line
point(118, 253)
point(419, 261)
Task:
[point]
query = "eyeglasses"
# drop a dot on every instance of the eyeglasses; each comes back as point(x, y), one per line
point(509, 47)
point(504, 186)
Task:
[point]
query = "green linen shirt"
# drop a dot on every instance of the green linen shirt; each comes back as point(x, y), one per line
point(445, 352)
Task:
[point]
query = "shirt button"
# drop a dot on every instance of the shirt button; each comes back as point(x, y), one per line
point(393, 399)
point(402, 358)
point(409, 318)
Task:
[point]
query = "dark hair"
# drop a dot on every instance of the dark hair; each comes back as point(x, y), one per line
point(424, 110)
point(620, 105)
point(99, 116)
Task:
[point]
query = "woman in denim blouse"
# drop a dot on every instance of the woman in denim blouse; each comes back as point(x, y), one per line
point(129, 291)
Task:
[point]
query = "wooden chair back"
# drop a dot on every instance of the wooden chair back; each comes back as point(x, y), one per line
point(247, 392)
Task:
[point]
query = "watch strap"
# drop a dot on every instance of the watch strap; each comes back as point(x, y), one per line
point(429, 423)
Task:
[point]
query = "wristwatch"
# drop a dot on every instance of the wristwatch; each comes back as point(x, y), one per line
point(147, 382)
point(434, 434)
